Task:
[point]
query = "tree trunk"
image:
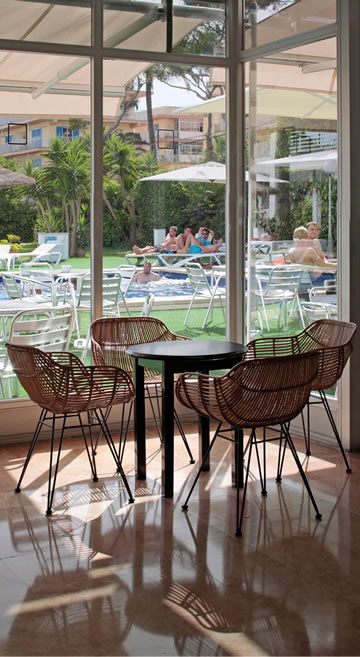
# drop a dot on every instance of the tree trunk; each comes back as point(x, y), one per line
point(109, 206)
point(44, 215)
point(67, 220)
point(209, 142)
point(150, 120)
point(73, 245)
point(132, 233)
point(132, 213)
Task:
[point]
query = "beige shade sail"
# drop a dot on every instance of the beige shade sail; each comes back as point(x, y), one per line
point(38, 75)
point(10, 178)
point(294, 103)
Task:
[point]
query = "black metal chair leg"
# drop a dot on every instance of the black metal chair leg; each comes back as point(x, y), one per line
point(90, 453)
point(122, 441)
point(51, 488)
point(239, 520)
point(182, 434)
point(281, 457)
point(334, 428)
point(318, 515)
point(262, 479)
point(155, 415)
point(34, 439)
point(204, 461)
point(100, 416)
point(306, 430)
point(110, 442)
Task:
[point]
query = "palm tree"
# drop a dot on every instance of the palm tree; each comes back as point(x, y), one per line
point(122, 164)
point(69, 171)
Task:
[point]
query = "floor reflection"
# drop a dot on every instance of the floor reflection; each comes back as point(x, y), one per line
point(101, 577)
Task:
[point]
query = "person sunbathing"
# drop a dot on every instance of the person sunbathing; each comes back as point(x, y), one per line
point(181, 240)
point(168, 245)
point(201, 244)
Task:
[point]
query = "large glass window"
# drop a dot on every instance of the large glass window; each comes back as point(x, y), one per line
point(54, 22)
point(269, 20)
point(157, 185)
point(43, 221)
point(196, 28)
point(291, 105)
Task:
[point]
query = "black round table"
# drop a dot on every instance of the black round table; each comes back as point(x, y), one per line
point(171, 358)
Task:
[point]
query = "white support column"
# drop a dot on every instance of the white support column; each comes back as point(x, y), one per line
point(97, 136)
point(349, 209)
point(235, 177)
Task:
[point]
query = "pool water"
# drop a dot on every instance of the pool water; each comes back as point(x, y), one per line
point(170, 285)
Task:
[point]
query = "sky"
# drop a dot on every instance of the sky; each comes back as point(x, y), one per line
point(165, 95)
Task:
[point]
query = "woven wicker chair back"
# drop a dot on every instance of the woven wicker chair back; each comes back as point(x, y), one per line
point(332, 337)
point(61, 383)
point(111, 337)
point(254, 393)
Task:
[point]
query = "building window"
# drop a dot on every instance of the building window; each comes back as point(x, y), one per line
point(65, 132)
point(36, 137)
point(191, 126)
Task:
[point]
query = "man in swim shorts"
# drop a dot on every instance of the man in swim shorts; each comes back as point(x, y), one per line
point(202, 244)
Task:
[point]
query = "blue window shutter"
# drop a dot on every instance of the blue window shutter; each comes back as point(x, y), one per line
point(59, 131)
point(76, 133)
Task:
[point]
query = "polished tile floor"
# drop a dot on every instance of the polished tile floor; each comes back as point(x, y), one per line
point(102, 577)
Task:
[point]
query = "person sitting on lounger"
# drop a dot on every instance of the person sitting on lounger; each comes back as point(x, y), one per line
point(210, 232)
point(146, 275)
point(168, 245)
point(201, 244)
point(181, 240)
point(304, 253)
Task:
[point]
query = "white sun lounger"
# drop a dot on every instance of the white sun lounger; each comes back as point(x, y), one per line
point(41, 251)
point(181, 259)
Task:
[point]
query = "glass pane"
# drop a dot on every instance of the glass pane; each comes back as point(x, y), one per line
point(197, 28)
point(268, 20)
point(146, 219)
point(47, 138)
point(48, 23)
point(291, 101)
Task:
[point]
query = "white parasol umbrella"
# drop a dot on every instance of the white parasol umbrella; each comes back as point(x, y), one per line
point(317, 161)
point(210, 172)
point(10, 178)
point(320, 160)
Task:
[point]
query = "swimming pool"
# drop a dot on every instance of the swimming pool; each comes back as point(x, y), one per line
point(170, 285)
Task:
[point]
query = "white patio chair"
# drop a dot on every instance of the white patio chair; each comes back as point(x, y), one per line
point(112, 295)
point(41, 271)
point(5, 256)
point(40, 253)
point(147, 306)
point(281, 286)
point(48, 329)
point(322, 303)
point(27, 288)
point(202, 289)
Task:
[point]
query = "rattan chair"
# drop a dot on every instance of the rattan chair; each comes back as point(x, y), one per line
point(110, 339)
point(63, 387)
point(253, 394)
point(334, 340)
